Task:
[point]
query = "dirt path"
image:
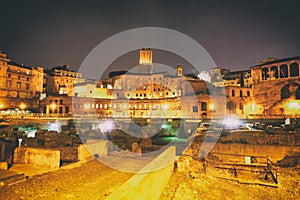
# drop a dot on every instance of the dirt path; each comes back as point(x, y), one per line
point(91, 180)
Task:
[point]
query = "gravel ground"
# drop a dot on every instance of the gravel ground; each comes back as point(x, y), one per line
point(91, 180)
point(191, 186)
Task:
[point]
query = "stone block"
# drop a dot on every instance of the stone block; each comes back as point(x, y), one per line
point(93, 148)
point(48, 158)
point(3, 165)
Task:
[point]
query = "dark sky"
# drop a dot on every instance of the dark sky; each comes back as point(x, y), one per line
point(237, 34)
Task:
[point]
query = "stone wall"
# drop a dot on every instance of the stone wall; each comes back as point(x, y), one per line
point(150, 182)
point(273, 152)
point(93, 148)
point(36, 156)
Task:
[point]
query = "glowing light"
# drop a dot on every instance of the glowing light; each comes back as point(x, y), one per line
point(294, 105)
point(105, 126)
point(204, 75)
point(165, 106)
point(22, 106)
point(87, 106)
point(31, 133)
point(212, 107)
point(232, 122)
point(1, 105)
point(164, 126)
point(53, 106)
point(252, 108)
point(55, 126)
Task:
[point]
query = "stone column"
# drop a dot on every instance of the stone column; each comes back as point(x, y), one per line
point(47, 110)
point(2, 151)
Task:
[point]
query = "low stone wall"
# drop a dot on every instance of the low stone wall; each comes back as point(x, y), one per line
point(150, 182)
point(91, 149)
point(36, 156)
point(274, 152)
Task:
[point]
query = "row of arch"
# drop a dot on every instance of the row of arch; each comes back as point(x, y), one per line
point(284, 71)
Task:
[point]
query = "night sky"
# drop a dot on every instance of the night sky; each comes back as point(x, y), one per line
point(237, 34)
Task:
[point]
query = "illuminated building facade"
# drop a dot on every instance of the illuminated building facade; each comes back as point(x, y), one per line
point(269, 90)
point(61, 80)
point(142, 94)
point(238, 101)
point(224, 77)
point(20, 86)
point(276, 88)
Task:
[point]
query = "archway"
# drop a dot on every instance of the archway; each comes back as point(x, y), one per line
point(294, 69)
point(285, 92)
point(265, 73)
point(274, 72)
point(283, 71)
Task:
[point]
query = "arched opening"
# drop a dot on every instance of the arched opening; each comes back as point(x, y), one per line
point(265, 73)
point(285, 92)
point(294, 69)
point(274, 72)
point(298, 93)
point(231, 107)
point(283, 71)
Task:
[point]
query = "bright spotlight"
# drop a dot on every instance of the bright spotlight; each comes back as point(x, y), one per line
point(232, 123)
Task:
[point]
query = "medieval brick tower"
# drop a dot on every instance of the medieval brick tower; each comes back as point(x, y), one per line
point(145, 63)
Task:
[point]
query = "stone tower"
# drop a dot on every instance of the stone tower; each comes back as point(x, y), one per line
point(145, 63)
point(179, 70)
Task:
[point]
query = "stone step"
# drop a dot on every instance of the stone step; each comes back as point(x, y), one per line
point(12, 179)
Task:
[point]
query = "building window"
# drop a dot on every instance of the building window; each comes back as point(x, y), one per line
point(61, 102)
point(27, 86)
point(241, 93)
point(274, 72)
point(8, 75)
point(283, 71)
point(19, 77)
point(294, 69)
point(27, 78)
point(195, 108)
point(19, 85)
point(8, 84)
point(232, 93)
point(248, 93)
point(265, 73)
point(203, 106)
